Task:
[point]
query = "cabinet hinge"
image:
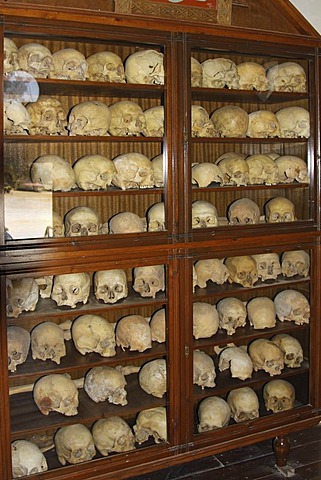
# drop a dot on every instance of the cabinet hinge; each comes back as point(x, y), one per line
point(186, 349)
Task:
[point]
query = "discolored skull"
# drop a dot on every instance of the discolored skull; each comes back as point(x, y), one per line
point(69, 64)
point(291, 348)
point(133, 332)
point(158, 170)
point(242, 270)
point(81, 221)
point(235, 169)
point(152, 377)
point(243, 212)
point(22, 296)
point(263, 124)
point(220, 73)
point(74, 444)
point(238, 361)
point(113, 434)
point(266, 356)
point(56, 393)
point(287, 77)
point(211, 269)
point(232, 314)
point(92, 333)
point(156, 218)
point(146, 67)
point(127, 119)
point(203, 370)
point(94, 172)
point(262, 170)
point(202, 126)
point(268, 266)
point(151, 423)
point(213, 412)
point(48, 342)
point(292, 168)
point(27, 459)
point(230, 121)
point(106, 67)
point(244, 404)
point(92, 118)
point(294, 122)
point(279, 395)
point(149, 280)
point(158, 326)
point(204, 214)
point(205, 320)
point(133, 170)
point(106, 384)
point(296, 262)
point(292, 306)
point(196, 73)
point(252, 76)
point(53, 173)
point(126, 222)
point(57, 229)
point(110, 285)
point(203, 174)
point(18, 339)
point(155, 118)
point(16, 118)
point(261, 312)
point(36, 59)
point(70, 289)
point(47, 117)
point(279, 209)
point(10, 56)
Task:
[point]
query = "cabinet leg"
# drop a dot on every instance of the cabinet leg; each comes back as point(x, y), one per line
point(281, 447)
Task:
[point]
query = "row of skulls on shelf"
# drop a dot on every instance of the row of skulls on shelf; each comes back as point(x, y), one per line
point(77, 443)
point(232, 121)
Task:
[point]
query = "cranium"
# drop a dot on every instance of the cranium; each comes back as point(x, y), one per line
point(106, 67)
point(47, 117)
point(92, 333)
point(151, 423)
point(57, 228)
point(252, 76)
point(244, 404)
point(158, 326)
point(126, 222)
point(152, 377)
point(234, 168)
point(10, 56)
point(211, 269)
point(220, 73)
point(279, 395)
point(133, 170)
point(294, 122)
point(156, 218)
point(242, 270)
point(292, 306)
point(155, 118)
point(279, 209)
point(16, 118)
point(292, 168)
point(196, 73)
point(230, 121)
point(261, 312)
point(203, 370)
point(18, 339)
point(22, 296)
point(262, 170)
point(74, 444)
point(263, 124)
point(266, 356)
point(94, 172)
point(268, 266)
point(81, 221)
point(146, 67)
point(202, 126)
point(50, 172)
point(205, 320)
point(243, 212)
point(296, 262)
point(158, 170)
point(204, 214)
point(113, 434)
point(213, 412)
point(238, 361)
point(27, 459)
point(110, 285)
point(287, 77)
point(92, 118)
point(232, 314)
point(149, 280)
point(47, 342)
point(69, 64)
point(203, 174)
point(35, 59)
point(127, 119)
point(70, 289)
point(291, 348)
point(133, 332)
point(56, 393)
point(106, 384)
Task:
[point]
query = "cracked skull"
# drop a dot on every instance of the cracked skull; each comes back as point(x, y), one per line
point(70, 289)
point(92, 333)
point(106, 384)
point(238, 361)
point(287, 77)
point(220, 73)
point(146, 67)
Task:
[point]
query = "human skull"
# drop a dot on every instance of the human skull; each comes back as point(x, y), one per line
point(196, 73)
point(292, 306)
point(56, 393)
point(243, 212)
point(81, 221)
point(268, 266)
point(279, 209)
point(242, 270)
point(146, 67)
point(127, 119)
point(70, 289)
point(106, 67)
point(279, 395)
point(69, 64)
point(202, 126)
point(230, 121)
point(57, 228)
point(18, 339)
point(294, 122)
point(232, 314)
point(238, 361)
point(296, 262)
point(113, 434)
point(133, 170)
point(152, 377)
point(203, 370)
point(263, 124)
point(262, 170)
point(22, 296)
point(149, 280)
point(93, 172)
point(244, 404)
point(266, 356)
point(203, 174)
point(205, 320)
point(220, 73)
point(126, 222)
point(53, 173)
point(47, 117)
point(27, 459)
point(204, 214)
point(35, 59)
point(158, 326)
point(74, 444)
point(91, 118)
point(133, 332)
point(151, 423)
point(261, 312)
point(106, 384)
point(92, 333)
point(110, 285)
point(158, 170)
point(235, 170)
point(252, 76)
point(213, 412)
point(291, 348)
point(211, 269)
point(155, 118)
point(47, 342)
point(10, 56)
point(292, 168)
point(287, 77)
point(156, 217)
point(16, 118)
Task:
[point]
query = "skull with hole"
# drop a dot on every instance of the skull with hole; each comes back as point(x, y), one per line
point(91, 118)
point(133, 170)
point(292, 168)
point(69, 64)
point(296, 262)
point(156, 217)
point(203, 370)
point(203, 174)
point(155, 118)
point(16, 118)
point(291, 348)
point(10, 56)
point(126, 222)
point(220, 73)
point(149, 280)
point(70, 289)
point(261, 312)
point(127, 119)
point(279, 395)
point(47, 117)
point(211, 269)
point(146, 67)
point(205, 320)
point(262, 170)
point(252, 76)
point(287, 77)
point(244, 404)
point(202, 126)
point(48, 342)
point(151, 423)
point(22, 296)
point(106, 67)
point(36, 59)
point(158, 170)
point(230, 121)
point(53, 173)
point(292, 306)
point(294, 122)
point(110, 285)
point(234, 168)
point(232, 314)
point(242, 270)
point(106, 384)
point(56, 393)
point(158, 326)
point(27, 459)
point(74, 444)
point(94, 172)
point(133, 332)
point(266, 356)
point(243, 212)
point(204, 214)
point(279, 210)
point(113, 434)
point(213, 413)
point(263, 124)
point(196, 73)
point(238, 361)
point(92, 333)
point(81, 222)
point(18, 339)
point(268, 266)
point(152, 377)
